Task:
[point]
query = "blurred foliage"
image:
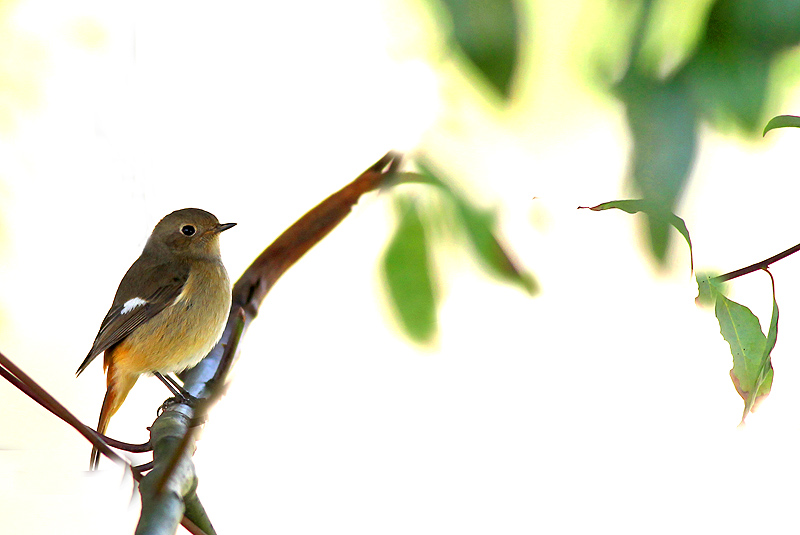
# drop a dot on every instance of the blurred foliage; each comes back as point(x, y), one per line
point(663, 126)
point(675, 65)
point(480, 229)
point(22, 63)
point(408, 260)
point(724, 80)
point(487, 33)
point(408, 272)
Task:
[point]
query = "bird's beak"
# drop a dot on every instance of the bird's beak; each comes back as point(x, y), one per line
point(223, 227)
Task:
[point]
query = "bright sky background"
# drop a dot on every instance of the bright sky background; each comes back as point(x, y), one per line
point(604, 402)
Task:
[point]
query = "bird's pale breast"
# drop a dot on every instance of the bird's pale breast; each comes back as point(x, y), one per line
point(184, 332)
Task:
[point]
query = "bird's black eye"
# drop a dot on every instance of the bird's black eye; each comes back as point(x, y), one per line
point(187, 230)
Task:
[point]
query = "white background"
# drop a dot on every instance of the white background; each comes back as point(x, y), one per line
point(603, 403)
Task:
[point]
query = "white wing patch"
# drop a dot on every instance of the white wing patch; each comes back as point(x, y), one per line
point(130, 304)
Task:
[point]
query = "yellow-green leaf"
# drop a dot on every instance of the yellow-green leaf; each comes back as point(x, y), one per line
point(708, 288)
point(763, 379)
point(487, 32)
point(782, 121)
point(752, 367)
point(408, 274)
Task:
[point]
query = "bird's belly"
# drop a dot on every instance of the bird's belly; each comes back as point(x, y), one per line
point(179, 336)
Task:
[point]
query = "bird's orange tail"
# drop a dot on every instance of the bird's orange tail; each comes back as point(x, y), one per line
point(118, 387)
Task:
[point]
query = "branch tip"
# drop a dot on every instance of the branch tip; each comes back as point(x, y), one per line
point(391, 158)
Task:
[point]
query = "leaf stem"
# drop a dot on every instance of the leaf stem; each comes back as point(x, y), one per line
point(758, 265)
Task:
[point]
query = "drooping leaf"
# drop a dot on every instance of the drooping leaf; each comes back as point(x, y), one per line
point(633, 206)
point(479, 226)
point(408, 274)
point(487, 32)
point(782, 121)
point(742, 330)
point(480, 229)
point(763, 380)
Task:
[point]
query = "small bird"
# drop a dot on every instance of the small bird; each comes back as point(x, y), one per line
point(169, 310)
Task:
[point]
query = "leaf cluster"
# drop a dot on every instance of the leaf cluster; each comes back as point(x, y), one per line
point(724, 81)
point(752, 371)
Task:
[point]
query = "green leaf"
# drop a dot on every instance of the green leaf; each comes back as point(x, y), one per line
point(708, 289)
point(487, 32)
point(479, 227)
point(732, 69)
point(763, 381)
point(733, 66)
point(408, 275)
point(662, 120)
point(752, 367)
point(730, 80)
point(782, 121)
point(771, 25)
point(725, 80)
point(633, 206)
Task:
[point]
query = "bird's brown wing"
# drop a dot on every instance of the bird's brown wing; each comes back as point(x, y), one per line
point(145, 291)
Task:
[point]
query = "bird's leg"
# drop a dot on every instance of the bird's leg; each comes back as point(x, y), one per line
point(177, 390)
point(180, 395)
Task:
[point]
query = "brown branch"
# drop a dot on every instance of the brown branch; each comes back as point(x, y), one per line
point(758, 265)
point(206, 380)
point(251, 288)
point(31, 388)
point(254, 284)
point(127, 446)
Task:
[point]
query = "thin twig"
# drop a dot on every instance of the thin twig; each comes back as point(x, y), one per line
point(251, 288)
point(758, 265)
point(30, 387)
point(127, 446)
point(146, 467)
